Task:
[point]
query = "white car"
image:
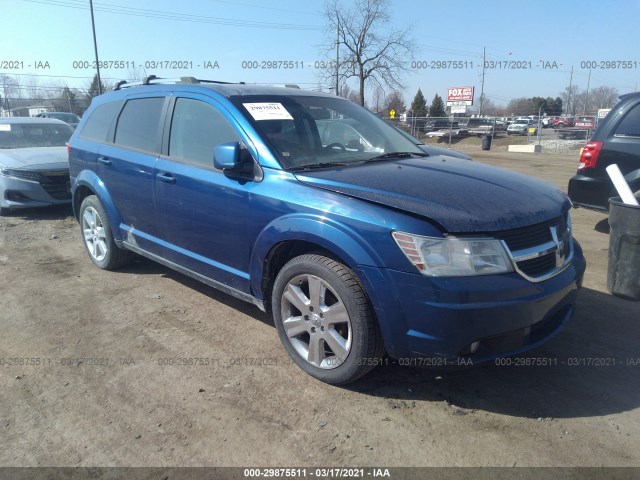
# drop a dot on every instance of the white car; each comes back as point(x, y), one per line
point(521, 126)
point(34, 168)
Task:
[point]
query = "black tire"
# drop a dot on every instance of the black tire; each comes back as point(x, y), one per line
point(98, 238)
point(358, 348)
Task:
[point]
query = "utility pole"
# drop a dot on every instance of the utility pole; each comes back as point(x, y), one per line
point(484, 58)
point(337, 56)
point(569, 92)
point(95, 48)
point(586, 97)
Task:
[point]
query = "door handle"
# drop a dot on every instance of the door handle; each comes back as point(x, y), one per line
point(104, 161)
point(166, 178)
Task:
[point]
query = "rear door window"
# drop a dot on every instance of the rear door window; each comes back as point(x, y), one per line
point(138, 124)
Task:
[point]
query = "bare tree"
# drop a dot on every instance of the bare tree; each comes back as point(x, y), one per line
point(378, 99)
point(347, 92)
point(136, 74)
point(603, 97)
point(33, 87)
point(570, 100)
point(367, 51)
point(394, 101)
point(10, 90)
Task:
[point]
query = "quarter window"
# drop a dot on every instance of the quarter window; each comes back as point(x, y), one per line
point(196, 129)
point(98, 125)
point(138, 124)
point(630, 124)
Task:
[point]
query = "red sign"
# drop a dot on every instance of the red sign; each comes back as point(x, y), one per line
point(458, 94)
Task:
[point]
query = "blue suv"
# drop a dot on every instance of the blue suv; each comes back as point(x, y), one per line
point(357, 241)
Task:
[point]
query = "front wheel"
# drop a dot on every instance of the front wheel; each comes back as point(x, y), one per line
point(97, 236)
point(324, 319)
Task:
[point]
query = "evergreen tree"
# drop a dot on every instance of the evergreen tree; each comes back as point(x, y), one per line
point(437, 107)
point(93, 88)
point(419, 105)
point(69, 100)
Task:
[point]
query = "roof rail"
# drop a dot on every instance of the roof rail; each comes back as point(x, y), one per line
point(153, 80)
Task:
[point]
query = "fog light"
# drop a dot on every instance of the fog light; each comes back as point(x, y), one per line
point(15, 196)
point(473, 348)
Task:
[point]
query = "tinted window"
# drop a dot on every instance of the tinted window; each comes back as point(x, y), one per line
point(196, 129)
point(630, 124)
point(138, 123)
point(98, 124)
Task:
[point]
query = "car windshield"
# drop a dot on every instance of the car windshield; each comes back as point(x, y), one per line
point(308, 131)
point(27, 135)
point(65, 117)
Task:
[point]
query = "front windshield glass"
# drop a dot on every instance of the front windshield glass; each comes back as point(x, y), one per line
point(27, 135)
point(307, 131)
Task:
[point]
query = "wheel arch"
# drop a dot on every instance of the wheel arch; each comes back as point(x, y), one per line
point(291, 236)
point(88, 183)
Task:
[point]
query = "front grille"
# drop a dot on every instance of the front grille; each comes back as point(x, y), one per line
point(56, 184)
point(537, 238)
point(527, 237)
point(537, 267)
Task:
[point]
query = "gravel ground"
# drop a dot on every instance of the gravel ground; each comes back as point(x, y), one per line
point(97, 369)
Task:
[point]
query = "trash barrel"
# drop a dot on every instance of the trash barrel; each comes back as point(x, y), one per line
point(623, 274)
point(486, 142)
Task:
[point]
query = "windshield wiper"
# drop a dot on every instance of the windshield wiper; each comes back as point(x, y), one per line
point(386, 156)
point(312, 166)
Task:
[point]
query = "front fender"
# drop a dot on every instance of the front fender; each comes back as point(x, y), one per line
point(333, 236)
point(90, 180)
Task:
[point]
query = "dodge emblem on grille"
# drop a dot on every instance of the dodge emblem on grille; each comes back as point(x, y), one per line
point(562, 246)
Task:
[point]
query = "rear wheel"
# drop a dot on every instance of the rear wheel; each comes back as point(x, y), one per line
point(98, 238)
point(324, 319)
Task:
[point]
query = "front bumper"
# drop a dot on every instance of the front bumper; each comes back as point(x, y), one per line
point(18, 193)
point(471, 318)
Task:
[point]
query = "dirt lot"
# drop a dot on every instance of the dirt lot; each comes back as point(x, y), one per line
point(86, 379)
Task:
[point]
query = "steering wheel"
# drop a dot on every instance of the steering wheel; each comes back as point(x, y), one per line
point(338, 145)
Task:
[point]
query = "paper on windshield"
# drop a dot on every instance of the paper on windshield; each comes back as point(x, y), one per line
point(268, 111)
point(5, 127)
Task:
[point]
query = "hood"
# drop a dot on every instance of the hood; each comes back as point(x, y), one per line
point(459, 195)
point(35, 158)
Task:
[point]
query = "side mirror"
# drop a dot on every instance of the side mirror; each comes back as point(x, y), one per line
point(226, 156)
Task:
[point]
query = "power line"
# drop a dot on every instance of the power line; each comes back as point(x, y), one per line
point(270, 8)
point(175, 16)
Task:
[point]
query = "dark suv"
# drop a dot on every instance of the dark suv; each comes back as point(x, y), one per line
point(615, 140)
point(357, 244)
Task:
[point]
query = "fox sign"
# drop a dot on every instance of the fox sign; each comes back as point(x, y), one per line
point(457, 94)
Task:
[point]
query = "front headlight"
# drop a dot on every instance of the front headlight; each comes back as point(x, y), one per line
point(23, 174)
point(454, 256)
